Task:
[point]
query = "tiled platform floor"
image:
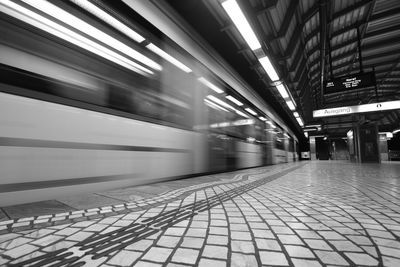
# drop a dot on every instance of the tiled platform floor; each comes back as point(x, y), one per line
point(307, 214)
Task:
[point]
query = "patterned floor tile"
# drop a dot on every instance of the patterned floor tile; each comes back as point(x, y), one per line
point(344, 215)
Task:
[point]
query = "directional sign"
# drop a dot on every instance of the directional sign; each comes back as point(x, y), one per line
point(345, 83)
point(356, 109)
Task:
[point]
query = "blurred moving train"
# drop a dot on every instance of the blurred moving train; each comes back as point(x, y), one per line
point(91, 100)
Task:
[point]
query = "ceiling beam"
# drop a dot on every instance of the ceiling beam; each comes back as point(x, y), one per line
point(267, 6)
point(299, 29)
point(288, 18)
point(372, 46)
point(346, 71)
point(350, 9)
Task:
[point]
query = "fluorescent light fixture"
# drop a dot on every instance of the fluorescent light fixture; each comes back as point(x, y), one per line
point(251, 139)
point(243, 122)
point(314, 125)
point(68, 35)
point(296, 114)
point(91, 8)
point(234, 100)
point(241, 113)
point(215, 106)
point(235, 13)
point(306, 134)
point(210, 85)
point(300, 121)
point(88, 29)
point(220, 102)
point(168, 57)
point(396, 131)
point(290, 105)
point(309, 129)
point(262, 118)
point(349, 134)
point(252, 112)
point(271, 124)
point(282, 90)
point(269, 69)
point(325, 138)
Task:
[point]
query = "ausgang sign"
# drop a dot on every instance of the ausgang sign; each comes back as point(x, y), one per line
point(345, 83)
point(356, 109)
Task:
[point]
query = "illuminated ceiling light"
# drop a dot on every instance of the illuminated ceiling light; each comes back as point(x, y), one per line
point(300, 121)
point(235, 13)
point(210, 85)
point(68, 35)
point(234, 100)
point(262, 118)
point(269, 69)
point(91, 8)
point(88, 29)
point(306, 134)
point(309, 129)
point(290, 105)
point(282, 90)
point(396, 131)
point(168, 57)
point(252, 112)
point(296, 114)
point(243, 122)
point(241, 113)
point(325, 138)
point(271, 124)
point(220, 102)
point(215, 106)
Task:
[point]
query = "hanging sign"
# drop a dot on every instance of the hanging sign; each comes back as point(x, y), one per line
point(381, 106)
point(355, 81)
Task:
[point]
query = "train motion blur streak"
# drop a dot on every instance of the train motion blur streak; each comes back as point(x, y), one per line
point(91, 101)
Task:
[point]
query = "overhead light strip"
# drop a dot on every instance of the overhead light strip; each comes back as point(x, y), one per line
point(252, 112)
point(235, 13)
point(168, 57)
point(68, 35)
point(300, 121)
point(269, 69)
point(93, 9)
point(215, 106)
point(88, 29)
point(210, 85)
point(290, 105)
point(237, 16)
point(241, 113)
point(220, 102)
point(234, 100)
point(282, 90)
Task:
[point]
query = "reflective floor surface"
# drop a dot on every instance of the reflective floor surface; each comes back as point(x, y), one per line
point(299, 214)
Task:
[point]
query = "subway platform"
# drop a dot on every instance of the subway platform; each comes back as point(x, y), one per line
point(297, 214)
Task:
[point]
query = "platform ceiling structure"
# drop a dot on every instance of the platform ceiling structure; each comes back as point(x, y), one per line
point(294, 34)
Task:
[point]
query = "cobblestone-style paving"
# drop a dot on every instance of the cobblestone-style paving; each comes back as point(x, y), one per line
point(313, 214)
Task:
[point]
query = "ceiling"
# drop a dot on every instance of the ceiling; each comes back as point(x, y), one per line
point(294, 34)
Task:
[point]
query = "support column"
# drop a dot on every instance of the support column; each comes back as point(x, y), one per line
point(313, 155)
point(368, 143)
